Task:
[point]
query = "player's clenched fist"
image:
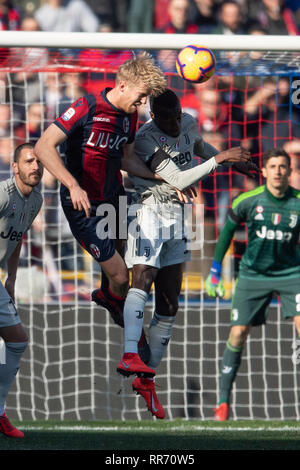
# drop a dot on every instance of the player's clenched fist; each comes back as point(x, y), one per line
point(233, 155)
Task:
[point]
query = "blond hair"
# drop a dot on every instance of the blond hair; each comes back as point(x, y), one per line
point(142, 69)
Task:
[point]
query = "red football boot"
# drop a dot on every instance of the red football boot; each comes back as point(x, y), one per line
point(131, 363)
point(146, 388)
point(8, 429)
point(221, 412)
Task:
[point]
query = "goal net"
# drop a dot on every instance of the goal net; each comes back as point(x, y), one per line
point(69, 369)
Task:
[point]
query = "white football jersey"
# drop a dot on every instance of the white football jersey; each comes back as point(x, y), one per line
point(17, 213)
point(149, 139)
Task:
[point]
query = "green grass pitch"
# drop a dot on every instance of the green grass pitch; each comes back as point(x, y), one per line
point(155, 435)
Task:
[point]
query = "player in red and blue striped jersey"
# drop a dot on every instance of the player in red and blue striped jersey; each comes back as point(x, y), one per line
point(98, 137)
point(97, 132)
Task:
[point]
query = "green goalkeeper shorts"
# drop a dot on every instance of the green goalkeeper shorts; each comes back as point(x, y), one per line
point(252, 298)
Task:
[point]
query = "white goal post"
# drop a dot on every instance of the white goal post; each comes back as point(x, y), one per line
point(69, 369)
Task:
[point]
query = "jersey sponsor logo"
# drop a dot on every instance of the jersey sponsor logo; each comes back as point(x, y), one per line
point(259, 213)
point(182, 158)
point(105, 139)
point(163, 139)
point(126, 125)
point(68, 114)
point(293, 220)
point(12, 235)
point(101, 119)
point(270, 234)
point(276, 218)
point(95, 251)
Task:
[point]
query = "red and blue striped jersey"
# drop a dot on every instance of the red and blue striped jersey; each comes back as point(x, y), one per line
point(96, 134)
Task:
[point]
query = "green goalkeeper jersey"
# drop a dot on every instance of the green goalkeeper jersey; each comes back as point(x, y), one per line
point(273, 232)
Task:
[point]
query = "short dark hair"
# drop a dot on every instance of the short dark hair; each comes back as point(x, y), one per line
point(164, 102)
point(275, 152)
point(18, 150)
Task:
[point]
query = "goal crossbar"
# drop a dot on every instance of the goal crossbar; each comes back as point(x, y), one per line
point(147, 41)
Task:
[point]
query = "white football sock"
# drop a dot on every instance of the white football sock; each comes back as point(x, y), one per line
point(159, 335)
point(133, 318)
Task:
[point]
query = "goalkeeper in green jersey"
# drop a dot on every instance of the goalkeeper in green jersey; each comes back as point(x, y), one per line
point(270, 264)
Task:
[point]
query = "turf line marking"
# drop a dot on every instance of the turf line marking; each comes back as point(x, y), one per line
point(156, 429)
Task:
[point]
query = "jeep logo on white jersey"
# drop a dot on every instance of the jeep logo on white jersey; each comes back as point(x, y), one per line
point(270, 234)
point(182, 158)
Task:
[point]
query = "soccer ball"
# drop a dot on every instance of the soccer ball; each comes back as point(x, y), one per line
point(195, 63)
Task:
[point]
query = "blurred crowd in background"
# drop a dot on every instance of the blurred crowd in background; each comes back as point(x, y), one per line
point(256, 112)
point(147, 16)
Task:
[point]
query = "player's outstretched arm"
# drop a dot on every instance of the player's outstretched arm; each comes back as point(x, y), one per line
point(236, 155)
point(45, 150)
point(162, 164)
point(213, 284)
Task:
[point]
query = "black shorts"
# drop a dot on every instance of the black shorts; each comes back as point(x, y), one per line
point(98, 233)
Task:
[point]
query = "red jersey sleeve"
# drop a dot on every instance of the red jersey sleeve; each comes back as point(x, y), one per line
point(75, 116)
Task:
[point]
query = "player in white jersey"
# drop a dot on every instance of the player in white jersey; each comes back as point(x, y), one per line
point(20, 202)
point(167, 144)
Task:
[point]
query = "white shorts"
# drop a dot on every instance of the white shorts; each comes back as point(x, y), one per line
point(8, 313)
point(157, 237)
